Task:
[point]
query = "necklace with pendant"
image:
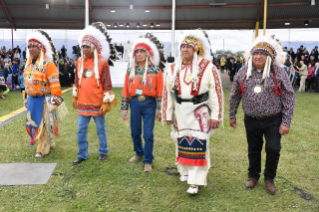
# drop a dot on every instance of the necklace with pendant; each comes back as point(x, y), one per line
point(88, 73)
point(30, 75)
point(257, 89)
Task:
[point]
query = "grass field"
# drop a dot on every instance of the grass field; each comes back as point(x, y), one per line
point(117, 185)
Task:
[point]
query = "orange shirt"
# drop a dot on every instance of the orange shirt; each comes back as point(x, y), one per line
point(90, 95)
point(39, 82)
point(153, 87)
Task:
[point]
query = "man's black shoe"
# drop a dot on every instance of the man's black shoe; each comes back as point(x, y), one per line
point(78, 161)
point(102, 157)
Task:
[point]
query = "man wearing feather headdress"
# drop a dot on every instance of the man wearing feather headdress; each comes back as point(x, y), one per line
point(268, 104)
point(142, 91)
point(43, 90)
point(193, 104)
point(92, 95)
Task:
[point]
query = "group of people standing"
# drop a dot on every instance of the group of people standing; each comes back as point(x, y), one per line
point(305, 65)
point(189, 99)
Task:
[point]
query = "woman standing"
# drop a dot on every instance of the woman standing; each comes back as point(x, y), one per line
point(309, 78)
point(17, 56)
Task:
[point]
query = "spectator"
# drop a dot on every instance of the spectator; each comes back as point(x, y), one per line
point(238, 62)
point(22, 81)
point(72, 71)
point(316, 76)
point(232, 70)
point(17, 48)
point(2, 89)
point(296, 62)
point(7, 59)
point(10, 53)
point(316, 53)
point(312, 61)
point(170, 59)
point(67, 60)
point(2, 54)
point(304, 60)
point(22, 68)
point(303, 72)
point(222, 64)
point(59, 55)
point(4, 49)
point(228, 63)
point(66, 74)
point(63, 51)
point(121, 49)
point(16, 56)
point(15, 74)
point(1, 69)
point(292, 54)
point(24, 53)
point(306, 54)
point(6, 72)
point(298, 55)
point(309, 78)
point(301, 49)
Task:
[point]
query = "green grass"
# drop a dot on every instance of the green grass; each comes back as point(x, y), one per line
point(12, 102)
point(117, 185)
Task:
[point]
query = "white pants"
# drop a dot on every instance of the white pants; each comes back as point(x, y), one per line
point(196, 176)
point(302, 83)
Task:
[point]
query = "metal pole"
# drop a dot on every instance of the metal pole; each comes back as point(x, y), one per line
point(86, 13)
point(288, 38)
point(265, 16)
point(173, 28)
point(12, 34)
point(256, 29)
point(223, 46)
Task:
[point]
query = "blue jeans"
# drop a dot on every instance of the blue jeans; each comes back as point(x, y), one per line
point(145, 110)
point(83, 122)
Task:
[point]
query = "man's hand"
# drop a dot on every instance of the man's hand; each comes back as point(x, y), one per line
point(232, 123)
point(159, 117)
point(124, 116)
point(105, 107)
point(169, 122)
point(283, 130)
point(74, 102)
point(213, 123)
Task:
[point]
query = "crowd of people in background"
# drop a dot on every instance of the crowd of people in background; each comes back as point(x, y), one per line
point(230, 64)
point(12, 64)
point(307, 68)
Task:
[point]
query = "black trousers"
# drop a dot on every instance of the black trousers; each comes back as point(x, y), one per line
point(231, 77)
point(255, 130)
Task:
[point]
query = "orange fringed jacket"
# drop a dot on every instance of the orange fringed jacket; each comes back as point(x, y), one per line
point(39, 82)
point(153, 87)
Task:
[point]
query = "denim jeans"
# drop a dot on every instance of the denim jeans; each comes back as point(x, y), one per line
point(146, 111)
point(83, 122)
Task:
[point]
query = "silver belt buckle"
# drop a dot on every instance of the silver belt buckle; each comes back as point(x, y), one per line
point(141, 98)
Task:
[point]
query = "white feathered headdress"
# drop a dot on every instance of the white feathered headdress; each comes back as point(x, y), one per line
point(272, 48)
point(42, 40)
point(199, 40)
point(96, 36)
point(154, 50)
